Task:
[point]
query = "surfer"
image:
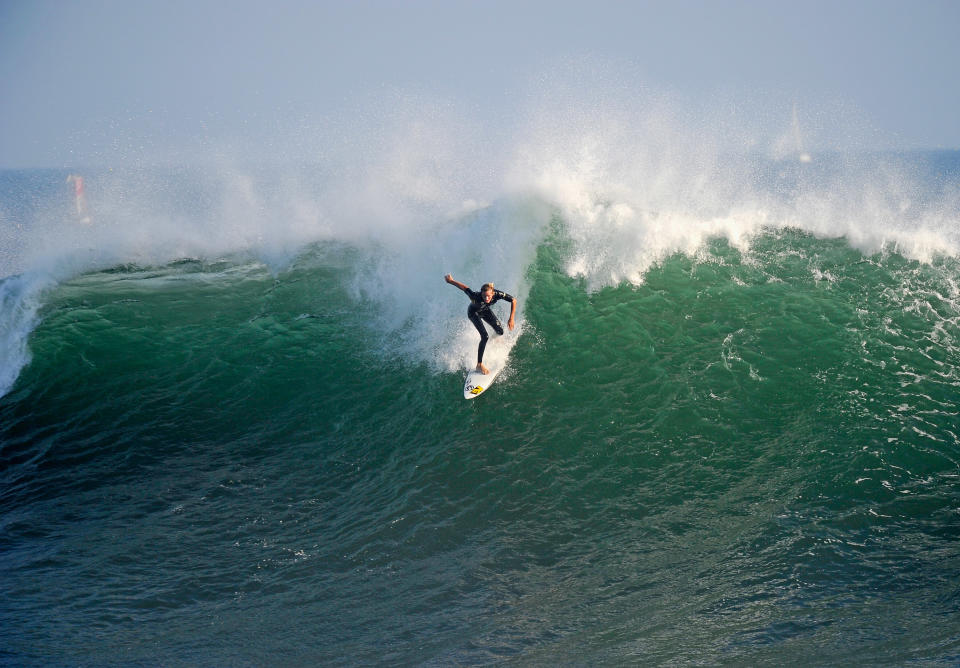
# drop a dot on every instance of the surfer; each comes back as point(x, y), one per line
point(480, 303)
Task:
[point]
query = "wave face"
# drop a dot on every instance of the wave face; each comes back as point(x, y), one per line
point(232, 427)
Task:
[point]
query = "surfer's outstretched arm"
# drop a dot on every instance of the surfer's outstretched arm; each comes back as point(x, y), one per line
point(513, 312)
point(449, 279)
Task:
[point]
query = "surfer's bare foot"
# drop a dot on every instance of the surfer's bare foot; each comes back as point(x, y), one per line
point(482, 369)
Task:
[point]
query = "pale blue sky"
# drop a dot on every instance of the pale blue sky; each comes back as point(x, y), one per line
point(94, 81)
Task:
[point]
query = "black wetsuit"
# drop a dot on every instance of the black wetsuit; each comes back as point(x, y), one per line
point(480, 309)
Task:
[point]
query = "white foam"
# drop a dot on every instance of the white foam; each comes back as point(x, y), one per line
point(20, 301)
point(638, 180)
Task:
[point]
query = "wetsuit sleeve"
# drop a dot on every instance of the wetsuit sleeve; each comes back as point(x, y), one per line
point(504, 296)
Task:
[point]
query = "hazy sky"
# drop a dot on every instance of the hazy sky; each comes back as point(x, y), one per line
point(82, 82)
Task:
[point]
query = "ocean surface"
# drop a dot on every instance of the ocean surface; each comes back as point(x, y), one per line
point(232, 429)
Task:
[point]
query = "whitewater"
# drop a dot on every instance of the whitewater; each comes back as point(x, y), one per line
point(726, 433)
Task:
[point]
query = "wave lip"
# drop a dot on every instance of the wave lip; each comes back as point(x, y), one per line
point(20, 302)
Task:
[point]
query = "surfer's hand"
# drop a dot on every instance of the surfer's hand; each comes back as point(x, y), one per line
point(448, 278)
point(510, 324)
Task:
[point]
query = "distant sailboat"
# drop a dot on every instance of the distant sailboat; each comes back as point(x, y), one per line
point(802, 155)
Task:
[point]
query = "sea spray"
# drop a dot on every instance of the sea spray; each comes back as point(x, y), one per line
point(420, 188)
point(637, 177)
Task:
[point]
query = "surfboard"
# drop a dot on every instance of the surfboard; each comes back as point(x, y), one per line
point(477, 383)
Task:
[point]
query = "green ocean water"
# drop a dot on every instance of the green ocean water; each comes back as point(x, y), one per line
point(747, 457)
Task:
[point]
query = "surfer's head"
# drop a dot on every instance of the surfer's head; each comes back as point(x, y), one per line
point(487, 291)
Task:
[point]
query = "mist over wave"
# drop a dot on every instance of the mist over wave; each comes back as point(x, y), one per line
point(419, 189)
point(636, 171)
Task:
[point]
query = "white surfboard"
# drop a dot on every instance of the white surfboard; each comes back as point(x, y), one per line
point(477, 383)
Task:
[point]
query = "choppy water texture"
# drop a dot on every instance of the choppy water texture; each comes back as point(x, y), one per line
point(746, 454)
